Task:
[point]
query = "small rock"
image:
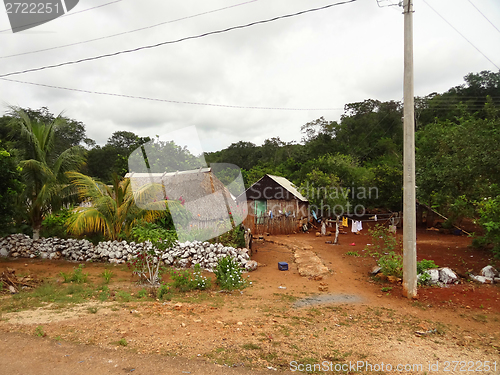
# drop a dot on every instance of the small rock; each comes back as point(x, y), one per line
point(479, 279)
point(447, 276)
point(489, 272)
point(375, 270)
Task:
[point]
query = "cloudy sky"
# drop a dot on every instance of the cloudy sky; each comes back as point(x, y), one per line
point(302, 67)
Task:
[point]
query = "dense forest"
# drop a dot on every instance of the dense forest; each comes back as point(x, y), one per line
point(457, 153)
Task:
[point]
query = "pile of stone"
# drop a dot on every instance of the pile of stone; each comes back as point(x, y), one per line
point(440, 276)
point(181, 255)
point(489, 275)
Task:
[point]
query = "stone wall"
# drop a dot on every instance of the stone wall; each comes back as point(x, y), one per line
point(180, 255)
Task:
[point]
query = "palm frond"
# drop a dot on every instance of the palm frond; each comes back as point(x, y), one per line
point(88, 219)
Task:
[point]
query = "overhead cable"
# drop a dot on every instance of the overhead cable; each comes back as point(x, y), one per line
point(174, 41)
point(127, 32)
point(171, 101)
point(462, 35)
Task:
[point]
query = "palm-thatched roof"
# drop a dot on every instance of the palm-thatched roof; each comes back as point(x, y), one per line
point(202, 194)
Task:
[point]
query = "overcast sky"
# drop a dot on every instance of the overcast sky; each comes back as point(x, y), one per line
point(320, 60)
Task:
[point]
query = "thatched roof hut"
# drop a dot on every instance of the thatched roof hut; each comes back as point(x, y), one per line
point(206, 198)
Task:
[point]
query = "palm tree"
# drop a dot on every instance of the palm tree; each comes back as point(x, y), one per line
point(42, 170)
point(110, 210)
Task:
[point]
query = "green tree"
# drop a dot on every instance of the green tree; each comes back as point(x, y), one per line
point(43, 169)
point(104, 161)
point(10, 188)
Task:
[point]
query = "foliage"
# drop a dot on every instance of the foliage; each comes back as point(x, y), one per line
point(184, 280)
point(425, 264)
point(489, 218)
point(234, 238)
point(423, 278)
point(106, 161)
point(10, 188)
point(43, 169)
point(163, 292)
point(383, 241)
point(55, 224)
point(391, 264)
point(76, 276)
point(39, 331)
point(110, 210)
point(107, 275)
point(147, 262)
point(228, 274)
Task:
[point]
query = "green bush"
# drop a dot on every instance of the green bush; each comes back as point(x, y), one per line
point(234, 238)
point(228, 274)
point(383, 241)
point(54, 225)
point(184, 280)
point(424, 265)
point(391, 264)
point(163, 292)
point(489, 212)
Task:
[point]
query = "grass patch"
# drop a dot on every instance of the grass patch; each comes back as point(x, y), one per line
point(353, 254)
point(76, 276)
point(250, 346)
point(107, 275)
point(40, 332)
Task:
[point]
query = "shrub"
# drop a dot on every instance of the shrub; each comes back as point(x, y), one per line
point(383, 241)
point(234, 238)
point(489, 212)
point(163, 292)
point(228, 274)
point(147, 264)
point(54, 225)
point(424, 265)
point(391, 264)
point(184, 280)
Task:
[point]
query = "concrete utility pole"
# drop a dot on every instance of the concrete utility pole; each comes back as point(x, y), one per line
point(409, 200)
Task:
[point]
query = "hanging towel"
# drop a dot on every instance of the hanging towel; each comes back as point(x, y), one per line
point(360, 225)
point(375, 217)
point(354, 227)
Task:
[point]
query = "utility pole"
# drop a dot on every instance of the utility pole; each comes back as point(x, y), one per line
point(409, 199)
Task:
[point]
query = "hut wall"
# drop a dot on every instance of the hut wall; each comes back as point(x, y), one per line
point(278, 224)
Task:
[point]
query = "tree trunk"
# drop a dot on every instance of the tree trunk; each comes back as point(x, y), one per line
point(36, 233)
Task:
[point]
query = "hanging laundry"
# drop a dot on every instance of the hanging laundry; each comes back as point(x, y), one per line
point(271, 214)
point(360, 225)
point(354, 227)
point(375, 217)
point(345, 223)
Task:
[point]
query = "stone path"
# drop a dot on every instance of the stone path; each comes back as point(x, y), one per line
point(308, 263)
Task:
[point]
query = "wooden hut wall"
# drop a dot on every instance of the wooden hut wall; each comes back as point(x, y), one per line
point(279, 224)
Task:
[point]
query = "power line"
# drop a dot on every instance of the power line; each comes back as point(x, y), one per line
point(171, 101)
point(127, 32)
point(463, 36)
point(484, 16)
point(69, 14)
point(176, 41)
